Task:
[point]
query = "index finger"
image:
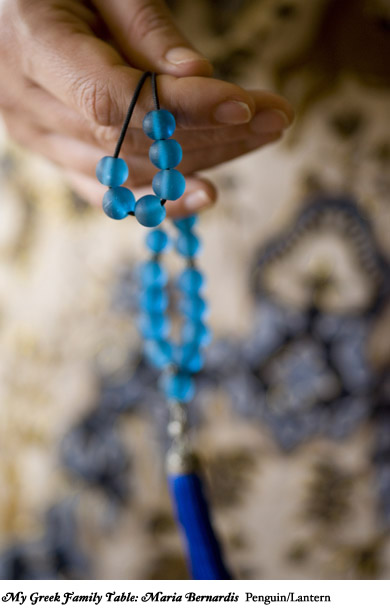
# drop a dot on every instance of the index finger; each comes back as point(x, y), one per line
point(88, 75)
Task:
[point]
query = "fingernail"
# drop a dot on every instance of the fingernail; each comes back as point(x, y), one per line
point(182, 55)
point(197, 200)
point(269, 121)
point(233, 112)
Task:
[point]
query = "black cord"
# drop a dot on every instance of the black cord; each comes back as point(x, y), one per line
point(132, 104)
point(155, 92)
point(131, 108)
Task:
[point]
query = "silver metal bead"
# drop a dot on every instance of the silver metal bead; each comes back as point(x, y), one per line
point(175, 428)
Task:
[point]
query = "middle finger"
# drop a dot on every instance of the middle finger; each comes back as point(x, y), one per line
point(50, 114)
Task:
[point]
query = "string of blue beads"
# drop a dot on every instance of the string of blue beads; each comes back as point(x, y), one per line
point(178, 361)
point(168, 184)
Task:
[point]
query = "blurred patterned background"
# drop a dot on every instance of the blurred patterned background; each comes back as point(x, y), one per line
point(292, 416)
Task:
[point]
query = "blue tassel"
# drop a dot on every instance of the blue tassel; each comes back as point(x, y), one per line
point(192, 513)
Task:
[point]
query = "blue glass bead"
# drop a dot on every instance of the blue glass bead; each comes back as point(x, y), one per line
point(196, 363)
point(153, 326)
point(193, 306)
point(158, 353)
point(152, 274)
point(112, 171)
point(149, 211)
point(169, 184)
point(118, 202)
point(159, 124)
point(188, 244)
point(186, 223)
point(153, 300)
point(165, 153)
point(188, 357)
point(190, 280)
point(177, 386)
point(195, 332)
point(157, 240)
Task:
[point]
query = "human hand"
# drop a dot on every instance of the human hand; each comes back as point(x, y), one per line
point(68, 70)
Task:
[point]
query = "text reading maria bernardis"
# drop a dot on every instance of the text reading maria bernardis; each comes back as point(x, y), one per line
point(96, 598)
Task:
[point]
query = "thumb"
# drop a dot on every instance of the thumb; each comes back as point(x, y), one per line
point(149, 39)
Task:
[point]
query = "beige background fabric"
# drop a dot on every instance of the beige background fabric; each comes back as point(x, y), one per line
point(311, 513)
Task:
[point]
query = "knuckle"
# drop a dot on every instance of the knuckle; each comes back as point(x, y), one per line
point(135, 142)
point(107, 136)
point(148, 19)
point(94, 98)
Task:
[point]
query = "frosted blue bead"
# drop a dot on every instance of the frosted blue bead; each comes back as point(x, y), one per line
point(169, 184)
point(149, 211)
point(153, 300)
point(118, 202)
point(188, 357)
point(159, 124)
point(165, 153)
point(178, 386)
point(193, 306)
point(152, 274)
point(188, 244)
point(196, 363)
point(112, 171)
point(190, 280)
point(195, 332)
point(157, 240)
point(186, 223)
point(153, 326)
point(158, 353)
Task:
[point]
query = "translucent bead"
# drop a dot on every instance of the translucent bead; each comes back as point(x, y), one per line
point(188, 357)
point(153, 300)
point(178, 386)
point(169, 184)
point(195, 332)
point(118, 202)
point(193, 306)
point(188, 244)
point(186, 223)
point(195, 364)
point(152, 274)
point(112, 171)
point(153, 326)
point(149, 211)
point(157, 240)
point(165, 153)
point(190, 280)
point(159, 124)
point(158, 353)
